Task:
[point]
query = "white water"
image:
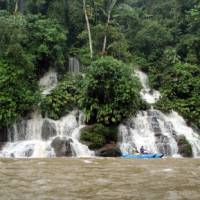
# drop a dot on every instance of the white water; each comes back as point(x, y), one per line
point(140, 135)
point(148, 129)
point(181, 128)
point(149, 95)
point(154, 130)
point(48, 82)
point(31, 139)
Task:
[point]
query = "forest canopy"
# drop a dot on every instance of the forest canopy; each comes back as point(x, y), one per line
point(161, 37)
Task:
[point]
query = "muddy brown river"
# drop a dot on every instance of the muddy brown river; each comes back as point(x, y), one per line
point(99, 179)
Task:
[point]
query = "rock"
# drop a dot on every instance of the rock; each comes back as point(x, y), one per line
point(109, 150)
point(3, 135)
point(164, 149)
point(29, 153)
point(61, 146)
point(2, 145)
point(48, 129)
point(184, 147)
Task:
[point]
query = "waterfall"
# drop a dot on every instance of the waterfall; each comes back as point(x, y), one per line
point(181, 128)
point(156, 131)
point(74, 65)
point(44, 137)
point(48, 82)
point(36, 136)
point(148, 129)
point(149, 95)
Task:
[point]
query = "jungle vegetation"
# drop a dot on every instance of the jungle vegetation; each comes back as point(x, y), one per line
point(110, 38)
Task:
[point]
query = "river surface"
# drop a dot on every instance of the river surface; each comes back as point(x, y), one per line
point(99, 179)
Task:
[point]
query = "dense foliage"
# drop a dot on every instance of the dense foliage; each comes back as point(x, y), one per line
point(180, 86)
point(163, 37)
point(110, 91)
point(63, 98)
point(97, 135)
point(17, 93)
point(29, 45)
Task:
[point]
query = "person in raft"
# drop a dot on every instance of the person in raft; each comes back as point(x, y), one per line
point(143, 151)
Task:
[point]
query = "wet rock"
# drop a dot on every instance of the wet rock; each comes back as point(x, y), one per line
point(29, 153)
point(48, 129)
point(3, 135)
point(18, 130)
point(62, 146)
point(155, 126)
point(184, 147)
point(164, 149)
point(155, 113)
point(163, 145)
point(2, 145)
point(109, 150)
point(169, 126)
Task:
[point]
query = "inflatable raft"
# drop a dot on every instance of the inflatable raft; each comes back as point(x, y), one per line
point(142, 156)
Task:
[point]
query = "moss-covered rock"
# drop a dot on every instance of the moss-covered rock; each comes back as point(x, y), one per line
point(97, 135)
point(184, 147)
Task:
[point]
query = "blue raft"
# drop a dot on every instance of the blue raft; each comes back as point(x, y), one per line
point(142, 156)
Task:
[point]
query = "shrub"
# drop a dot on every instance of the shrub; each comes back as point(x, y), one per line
point(98, 135)
point(63, 98)
point(110, 92)
point(180, 88)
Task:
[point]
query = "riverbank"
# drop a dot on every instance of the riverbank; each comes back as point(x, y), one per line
point(99, 179)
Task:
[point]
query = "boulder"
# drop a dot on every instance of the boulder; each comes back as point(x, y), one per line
point(48, 129)
point(109, 150)
point(184, 147)
point(61, 146)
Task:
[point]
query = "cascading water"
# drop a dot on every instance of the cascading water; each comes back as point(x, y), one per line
point(148, 128)
point(48, 82)
point(43, 137)
point(156, 131)
point(181, 128)
point(149, 95)
point(74, 65)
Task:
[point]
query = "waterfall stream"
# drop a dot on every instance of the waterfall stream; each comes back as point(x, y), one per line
point(48, 82)
point(156, 131)
point(74, 65)
point(149, 95)
point(44, 137)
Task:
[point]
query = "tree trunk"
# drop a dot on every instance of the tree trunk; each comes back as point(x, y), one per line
point(88, 28)
point(19, 6)
point(112, 5)
point(105, 36)
point(16, 6)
